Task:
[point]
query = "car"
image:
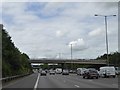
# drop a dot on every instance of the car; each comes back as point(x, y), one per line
point(43, 73)
point(80, 71)
point(52, 72)
point(58, 70)
point(72, 71)
point(65, 72)
point(91, 73)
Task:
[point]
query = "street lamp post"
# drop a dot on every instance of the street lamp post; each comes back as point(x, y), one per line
point(71, 51)
point(71, 57)
point(105, 17)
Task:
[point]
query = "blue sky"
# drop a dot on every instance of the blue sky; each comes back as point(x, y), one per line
point(45, 29)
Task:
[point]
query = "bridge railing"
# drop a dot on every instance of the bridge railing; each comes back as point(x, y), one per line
point(89, 61)
point(68, 61)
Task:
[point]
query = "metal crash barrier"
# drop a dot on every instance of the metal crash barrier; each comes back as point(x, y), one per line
point(6, 79)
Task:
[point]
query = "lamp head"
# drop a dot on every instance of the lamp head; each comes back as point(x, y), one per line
point(96, 15)
point(114, 15)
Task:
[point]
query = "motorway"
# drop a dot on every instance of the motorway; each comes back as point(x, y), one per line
point(61, 81)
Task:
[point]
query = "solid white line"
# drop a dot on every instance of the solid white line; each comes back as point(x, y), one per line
point(77, 86)
point(36, 84)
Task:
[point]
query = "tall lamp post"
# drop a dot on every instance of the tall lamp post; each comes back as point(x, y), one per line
point(71, 51)
point(71, 57)
point(105, 17)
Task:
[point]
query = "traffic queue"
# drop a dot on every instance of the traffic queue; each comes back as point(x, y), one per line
point(103, 72)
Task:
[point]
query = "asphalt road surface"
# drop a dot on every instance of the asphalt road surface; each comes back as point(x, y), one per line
point(61, 81)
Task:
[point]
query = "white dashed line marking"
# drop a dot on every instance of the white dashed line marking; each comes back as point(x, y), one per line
point(77, 86)
point(90, 80)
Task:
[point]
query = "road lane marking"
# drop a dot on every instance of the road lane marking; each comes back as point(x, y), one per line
point(90, 80)
point(36, 84)
point(77, 86)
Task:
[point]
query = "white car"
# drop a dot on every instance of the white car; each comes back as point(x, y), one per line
point(58, 70)
point(43, 73)
point(65, 72)
point(80, 71)
point(52, 72)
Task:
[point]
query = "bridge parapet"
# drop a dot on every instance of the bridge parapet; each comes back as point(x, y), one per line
point(79, 61)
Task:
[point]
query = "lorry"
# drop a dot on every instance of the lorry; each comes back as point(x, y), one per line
point(107, 71)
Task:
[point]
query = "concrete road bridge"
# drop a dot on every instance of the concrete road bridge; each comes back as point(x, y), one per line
point(68, 63)
point(75, 61)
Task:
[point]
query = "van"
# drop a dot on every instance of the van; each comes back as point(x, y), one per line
point(107, 71)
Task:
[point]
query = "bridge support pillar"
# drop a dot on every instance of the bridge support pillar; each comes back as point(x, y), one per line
point(62, 65)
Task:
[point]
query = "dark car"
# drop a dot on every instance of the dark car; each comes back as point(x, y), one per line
point(91, 73)
point(43, 73)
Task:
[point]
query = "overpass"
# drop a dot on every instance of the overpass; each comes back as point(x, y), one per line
point(75, 61)
point(68, 63)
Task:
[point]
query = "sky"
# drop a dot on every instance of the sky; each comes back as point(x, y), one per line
point(48, 29)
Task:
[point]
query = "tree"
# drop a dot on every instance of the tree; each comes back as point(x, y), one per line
point(113, 58)
point(13, 61)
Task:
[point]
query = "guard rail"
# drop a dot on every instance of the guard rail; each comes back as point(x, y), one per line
point(13, 77)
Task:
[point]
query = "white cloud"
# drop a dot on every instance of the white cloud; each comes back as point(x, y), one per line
point(50, 9)
point(78, 45)
point(97, 32)
point(36, 35)
point(60, 1)
point(61, 33)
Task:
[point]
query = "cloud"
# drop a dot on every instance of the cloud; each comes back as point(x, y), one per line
point(97, 32)
point(78, 45)
point(43, 29)
point(60, 1)
point(61, 33)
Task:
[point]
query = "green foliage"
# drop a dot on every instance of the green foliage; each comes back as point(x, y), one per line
point(45, 66)
point(13, 61)
point(114, 58)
